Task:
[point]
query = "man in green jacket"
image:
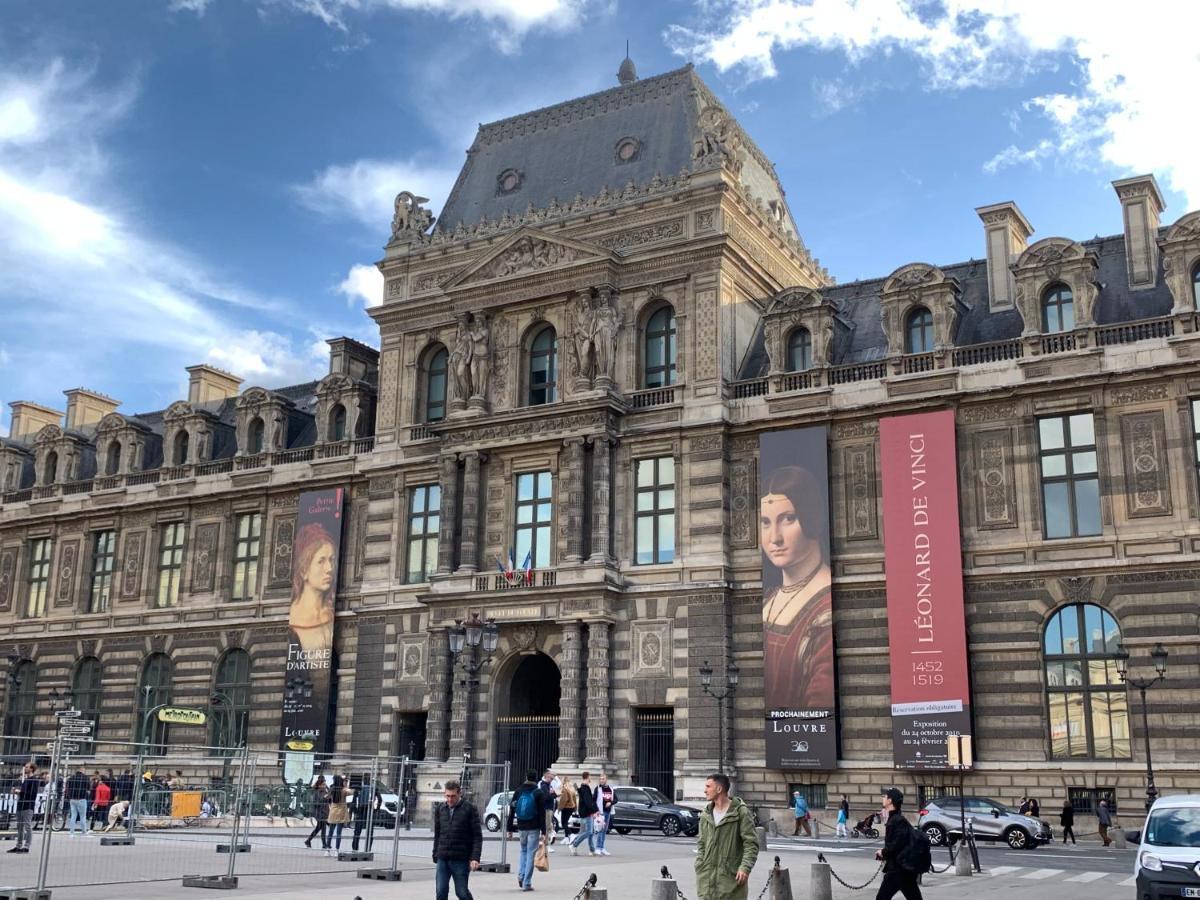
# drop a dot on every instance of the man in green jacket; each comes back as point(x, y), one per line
point(728, 844)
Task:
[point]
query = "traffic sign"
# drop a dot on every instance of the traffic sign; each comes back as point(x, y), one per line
point(68, 713)
point(72, 721)
point(82, 731)
point(70, 748)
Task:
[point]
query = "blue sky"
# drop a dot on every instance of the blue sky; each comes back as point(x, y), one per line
point(187, 181)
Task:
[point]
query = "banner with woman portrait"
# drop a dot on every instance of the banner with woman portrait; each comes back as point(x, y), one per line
point(798, 658)
point(308, 669)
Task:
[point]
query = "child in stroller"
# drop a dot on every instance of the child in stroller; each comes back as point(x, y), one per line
point(866, 828)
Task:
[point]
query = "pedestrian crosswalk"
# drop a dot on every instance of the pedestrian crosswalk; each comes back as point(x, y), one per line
point(1030, 873)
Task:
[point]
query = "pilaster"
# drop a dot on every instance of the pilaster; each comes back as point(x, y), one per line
point(601, 500)
point(468, 561)
point(574, 499)
point(598, 697)
point(570, 700)
point(448, 479)
point(440, 674)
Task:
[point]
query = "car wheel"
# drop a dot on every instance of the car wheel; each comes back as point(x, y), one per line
point(493, 823)
point(1018, 839)
point(692, 833)
point(936, 835)
point(669, 826)
point(624, 830)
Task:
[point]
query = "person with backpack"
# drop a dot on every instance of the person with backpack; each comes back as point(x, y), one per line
point(527, 815)
point(800, 810)
point(906, 853)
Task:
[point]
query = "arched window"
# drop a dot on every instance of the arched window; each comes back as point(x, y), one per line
point(230, 700)
point(543, 367)
point(85, 691)
point(10, 478)
point(112, 463)
point(435, 385)
point(660, 349)
point(254, 435)
point(1058, 309)
point(154, 690)
point(179, 454)
point(1196, 283)
point(20, 709)
point(337, 423)
point(799, 352)
point(918, 331)
point(50, 471)
point(1088, 704)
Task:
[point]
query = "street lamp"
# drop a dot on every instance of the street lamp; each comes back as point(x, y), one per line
point(731, 680)
point(472, 635)
point(1159, 655)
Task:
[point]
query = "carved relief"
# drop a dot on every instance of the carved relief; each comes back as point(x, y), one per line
point(977, 414)
point(705, 220)
point(706, 334)
point(743, 503)
point(718, 143)
point(643, 235)
point(412, 656)
point(430, 281)
point(651, 648)
point(131, 569)
point(204, 567)
point(410, 220)
point(1077, 588)
point(1140, 393)
point(1147, 482)
point(68, 565)
point(8, 568)
point(523, 636)
point(527, 254)
point(858, 465)
point(861, 428)
point(282, 536)
point(995, 492)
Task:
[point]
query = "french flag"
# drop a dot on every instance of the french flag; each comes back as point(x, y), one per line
point(528, 567)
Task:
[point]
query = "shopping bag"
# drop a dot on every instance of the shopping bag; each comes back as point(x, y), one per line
point(541, 859)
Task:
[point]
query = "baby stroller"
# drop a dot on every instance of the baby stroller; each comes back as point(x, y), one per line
point(866, 828)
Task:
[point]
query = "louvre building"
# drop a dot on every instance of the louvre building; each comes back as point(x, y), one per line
point(575, 364)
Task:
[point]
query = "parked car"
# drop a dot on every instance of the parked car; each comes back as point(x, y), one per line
point(1167, 859)
point(647, 809)
point(941, 820)
point(494, 812)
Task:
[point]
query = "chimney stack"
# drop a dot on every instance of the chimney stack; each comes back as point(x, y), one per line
point(30, 418)
point(1141, 208)
point(86, 407)
point(1006, 233)
point(207, 383)
point(350, 357)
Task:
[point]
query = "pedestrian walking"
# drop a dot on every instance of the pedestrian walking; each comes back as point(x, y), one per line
point(1023, 808)
point(26, 792)
point(320, 812)
point(843, 818)
point(586, 809)
point(800, 811)
point(568, 799)
point(728, 844)
point(77, 791)
point(101, 798)
point(367, 803)
point(604, 800)
point(550, 786)
point(457, 842)
point(1105, 819)
point(339, 813)
point(1035, 808)
point(1067, 819)
point(527, 816)
point(897, 839)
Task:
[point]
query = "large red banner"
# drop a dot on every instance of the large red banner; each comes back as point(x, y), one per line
point(927, 635)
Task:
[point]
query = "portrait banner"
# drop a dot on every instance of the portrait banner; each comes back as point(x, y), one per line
point(308, 668)
point(922, 547)
point(798, 658)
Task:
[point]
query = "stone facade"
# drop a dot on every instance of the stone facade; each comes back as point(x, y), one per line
point(715, 243)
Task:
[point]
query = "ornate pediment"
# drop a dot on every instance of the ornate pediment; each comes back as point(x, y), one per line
point(1186, 228)
point(912, 277)
point(527, 251)
point(48, 435)
point(794, 300)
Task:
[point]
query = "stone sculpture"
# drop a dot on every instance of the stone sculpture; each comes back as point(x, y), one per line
point(410, 220)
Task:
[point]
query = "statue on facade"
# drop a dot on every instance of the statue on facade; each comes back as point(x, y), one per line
point(410, 220)
point(481, 357)
point(460, 363)
point(582, 341)
point(470, 361)
point(604, 340)
point(717, 143)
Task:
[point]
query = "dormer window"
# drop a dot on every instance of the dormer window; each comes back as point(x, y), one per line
point(918, 331)
point(1196, 283)
point(799, 352)
point(179, 455)
point(254, 435)
point(509, 182)
point(337, 423)
point(112, 464)
point(50, 472)
point(628, 149)
point(1058, 309)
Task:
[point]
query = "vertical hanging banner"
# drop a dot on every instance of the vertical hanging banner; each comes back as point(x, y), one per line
point(308, 669)
point(798, 660)
point(922, 545)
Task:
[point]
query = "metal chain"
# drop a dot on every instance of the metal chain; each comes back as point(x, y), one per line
point(586, 890)
point(847, 885)
point(936, 871)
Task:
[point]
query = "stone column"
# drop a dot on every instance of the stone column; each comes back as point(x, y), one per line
point(598, 704)
point(468, 560)
point(573, 508)
point(437, 725)
point(570, 703)
point(458, 707)
point(448, 478)
point(601, 502)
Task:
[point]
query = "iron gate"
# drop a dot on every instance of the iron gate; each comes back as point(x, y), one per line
point(654, 740)
point(528, 742)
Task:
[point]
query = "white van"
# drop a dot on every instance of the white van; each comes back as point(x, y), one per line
point(1168, 858)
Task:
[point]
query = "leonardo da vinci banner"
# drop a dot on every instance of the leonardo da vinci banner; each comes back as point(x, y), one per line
point(927, 635)
point(308, 669)
point(798, 660)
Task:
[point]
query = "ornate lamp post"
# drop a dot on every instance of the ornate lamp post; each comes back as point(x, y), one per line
point(731, 679)
point(470, 636)
point(1159, 655)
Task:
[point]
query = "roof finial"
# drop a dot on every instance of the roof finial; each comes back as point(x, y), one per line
point(627, 74)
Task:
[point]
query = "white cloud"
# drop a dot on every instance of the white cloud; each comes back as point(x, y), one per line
point(1136, 78)
point(835, 95)
point(365, 190)
point(363, 283)
point(1012, 155)
point(199, 7)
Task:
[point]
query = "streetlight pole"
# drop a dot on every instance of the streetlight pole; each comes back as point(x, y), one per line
point(470, 636)
point(731, 679)
point(1159, 655)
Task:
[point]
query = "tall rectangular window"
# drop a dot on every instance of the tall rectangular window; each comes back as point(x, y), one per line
point(655, 513)
point(104, 545)
point(1070, 481)
point(246, 548)
point(39, 577)
point(535, 510)
point(1196, 429)
point(424, 523)
point(170, 564)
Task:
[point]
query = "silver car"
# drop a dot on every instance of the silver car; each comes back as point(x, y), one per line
point(941, 820)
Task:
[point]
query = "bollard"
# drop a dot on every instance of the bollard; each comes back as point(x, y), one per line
point(781, 883)
point(1117, 833)
point(821, 885)
point(761, 834)
point(596, 893)
point(663, 889)
point(816, 823)
point(962, 861)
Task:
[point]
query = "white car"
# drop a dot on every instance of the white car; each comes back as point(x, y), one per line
point(495, 813)
point(1168, 857)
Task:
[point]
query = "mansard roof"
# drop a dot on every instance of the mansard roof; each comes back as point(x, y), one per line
point(572, 148)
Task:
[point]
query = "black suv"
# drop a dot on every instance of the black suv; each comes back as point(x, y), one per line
point(645, 808)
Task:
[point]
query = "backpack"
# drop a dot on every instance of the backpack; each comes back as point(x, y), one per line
point(526, 806)
point(917, 855)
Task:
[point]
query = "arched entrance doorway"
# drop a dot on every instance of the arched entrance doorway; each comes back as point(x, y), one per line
point(527, 704)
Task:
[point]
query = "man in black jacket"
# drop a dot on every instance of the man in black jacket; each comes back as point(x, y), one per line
point(457, 842)
point(527, 814)
point(586, 808)
point(26, 793)
point(896, 838)
point(77, 791)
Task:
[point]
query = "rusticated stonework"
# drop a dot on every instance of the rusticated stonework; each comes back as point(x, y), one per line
point(1147, 484)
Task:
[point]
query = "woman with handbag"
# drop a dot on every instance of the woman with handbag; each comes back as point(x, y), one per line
point(320, 812)
point(339, 813)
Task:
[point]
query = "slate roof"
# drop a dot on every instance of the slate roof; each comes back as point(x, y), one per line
point(571, 148)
